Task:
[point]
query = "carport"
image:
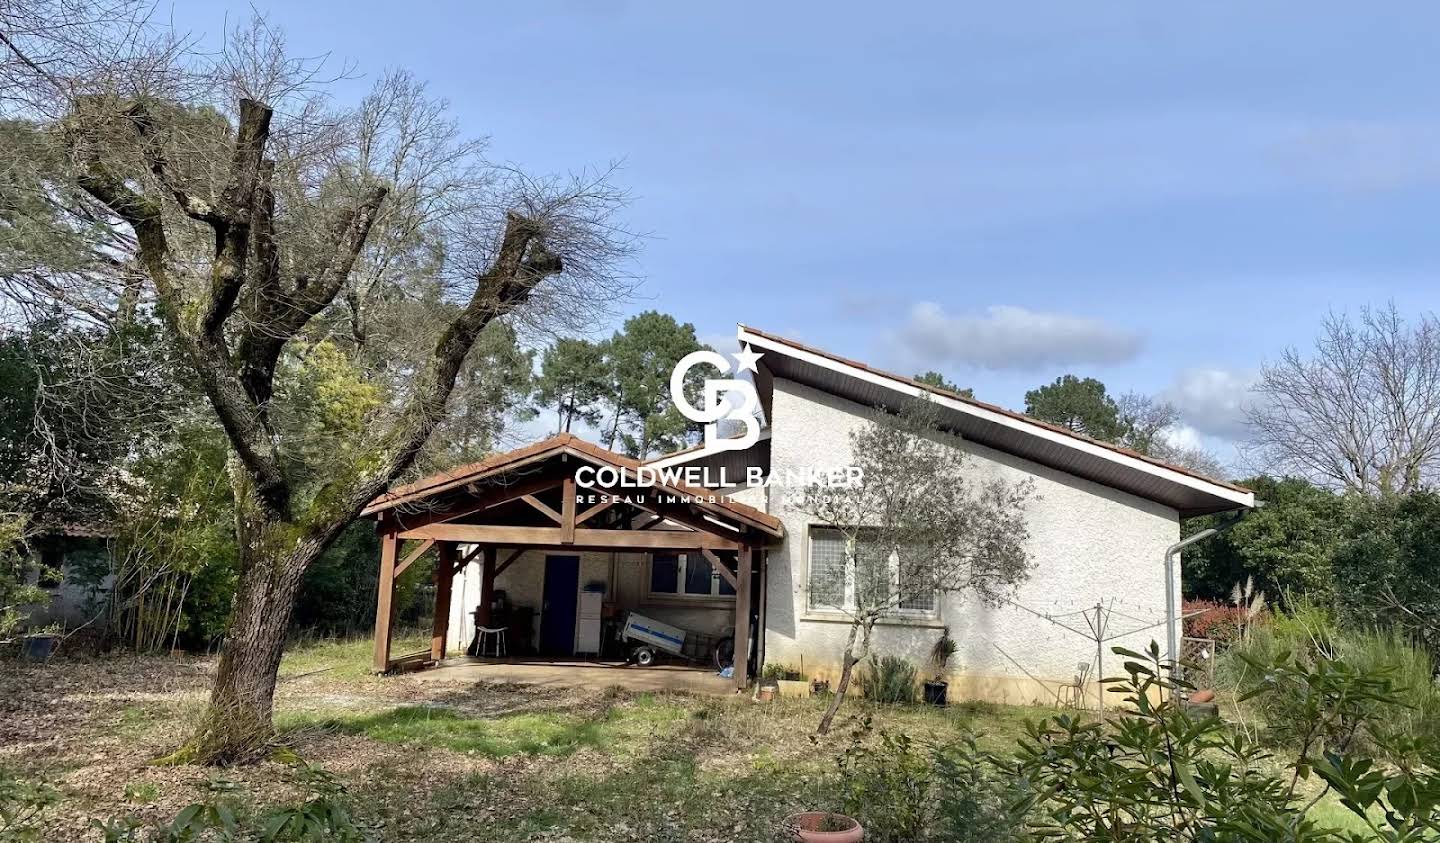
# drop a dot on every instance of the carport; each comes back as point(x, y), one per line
point(542, 497)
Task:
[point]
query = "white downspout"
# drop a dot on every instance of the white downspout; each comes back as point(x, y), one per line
point(1172, 616)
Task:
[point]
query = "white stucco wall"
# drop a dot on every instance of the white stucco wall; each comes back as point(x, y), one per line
point(1089, 544)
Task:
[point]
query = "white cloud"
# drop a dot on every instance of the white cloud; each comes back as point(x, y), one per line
point(1184, 437)
point(1212, 401)
point(1013, 338)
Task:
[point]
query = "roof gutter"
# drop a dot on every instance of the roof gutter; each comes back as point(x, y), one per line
point(1172, 615)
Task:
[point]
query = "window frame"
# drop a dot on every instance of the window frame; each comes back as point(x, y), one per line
point(717, 582)
point(896, 612)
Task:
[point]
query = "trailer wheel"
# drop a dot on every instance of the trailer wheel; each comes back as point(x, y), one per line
point(644, 656)
point(724, 653)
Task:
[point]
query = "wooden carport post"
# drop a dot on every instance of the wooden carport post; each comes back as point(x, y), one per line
point(487, 586)
point(444, 584)
point(385, 594)
point(743, 574)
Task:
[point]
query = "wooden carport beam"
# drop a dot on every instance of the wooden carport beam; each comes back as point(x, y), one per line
point(567, 508)
point(539, 506)
point(444, 584)
point(500, 569)
point(385, 594)
point(743, 573)
point(593, 511)
point(415, 554)
point(549, 537)
point(488, 572)
point(720, 566)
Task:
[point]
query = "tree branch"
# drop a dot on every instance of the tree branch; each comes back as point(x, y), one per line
point(521, 263)
point(232, 239)
point(275, 315)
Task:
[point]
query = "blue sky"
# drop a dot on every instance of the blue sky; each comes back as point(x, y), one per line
point(1159, 195)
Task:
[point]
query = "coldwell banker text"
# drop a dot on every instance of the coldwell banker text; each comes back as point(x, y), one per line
point(644, 477)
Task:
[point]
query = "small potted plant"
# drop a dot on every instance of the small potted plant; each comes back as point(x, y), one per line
point(823, 827)
point(940, 655)
point(792, 683)
point(769, 687)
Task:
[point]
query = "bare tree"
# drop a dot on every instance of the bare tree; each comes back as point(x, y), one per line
point(1150, 427)
point(273, 230)
point(1361, 412)
point(912, 529)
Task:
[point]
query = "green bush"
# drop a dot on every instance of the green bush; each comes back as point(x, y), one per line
point(23, 807)
point(890, 680)
point(1309, 634)
point(976, 801)
point(887, 786)
point(1155, 773)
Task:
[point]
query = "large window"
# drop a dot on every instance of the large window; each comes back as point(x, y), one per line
point(686, 575)
point(839, 582)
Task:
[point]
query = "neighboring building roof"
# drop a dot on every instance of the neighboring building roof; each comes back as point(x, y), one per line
point(1175, 486)
point(563, 443)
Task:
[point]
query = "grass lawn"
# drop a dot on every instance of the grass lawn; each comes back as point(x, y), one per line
point(432, 761)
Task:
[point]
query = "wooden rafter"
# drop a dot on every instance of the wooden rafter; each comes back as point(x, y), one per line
point(493, 496)
point(593, 511)
point(541, 507)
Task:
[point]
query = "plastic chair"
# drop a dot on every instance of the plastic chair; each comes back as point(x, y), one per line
point(495, 634)
point(1074, 689)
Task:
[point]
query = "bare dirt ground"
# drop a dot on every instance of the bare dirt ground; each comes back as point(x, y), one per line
point(428, 761)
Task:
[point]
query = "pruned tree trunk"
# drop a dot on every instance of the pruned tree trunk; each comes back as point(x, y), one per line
point(853, 656)
point(237, 724)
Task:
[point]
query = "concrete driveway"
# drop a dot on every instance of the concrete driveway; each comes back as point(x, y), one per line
point(593, 675)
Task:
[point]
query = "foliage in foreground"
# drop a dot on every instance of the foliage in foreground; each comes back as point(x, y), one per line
point(323, 815)
point(1310, 634)
point(1158, 773)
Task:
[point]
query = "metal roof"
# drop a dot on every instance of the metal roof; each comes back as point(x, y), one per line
point(1179, 488)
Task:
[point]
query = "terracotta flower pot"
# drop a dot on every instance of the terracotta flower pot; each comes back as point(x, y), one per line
point(766, 693)
point(806, 827)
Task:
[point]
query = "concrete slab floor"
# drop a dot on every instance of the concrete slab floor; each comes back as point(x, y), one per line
point(593, 675)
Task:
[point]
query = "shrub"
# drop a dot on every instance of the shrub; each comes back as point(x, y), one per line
point(1308, 634)
point(976, 801)
point(1220, 622)
point(886, 786)
point(23, 806)
point(323, 816)
point(889, 680)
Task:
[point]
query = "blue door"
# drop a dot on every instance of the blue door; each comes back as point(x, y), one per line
point(557, 612)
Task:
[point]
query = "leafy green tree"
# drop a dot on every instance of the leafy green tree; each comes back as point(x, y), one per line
point(1286, 545)
point(1388, 574)
point(1081, 405)
point(935, 379)
point(640, 358)
point(270, 229)
point(573, 379)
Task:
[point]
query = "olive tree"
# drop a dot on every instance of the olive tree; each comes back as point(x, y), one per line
point(913, 525)
point(273, 230)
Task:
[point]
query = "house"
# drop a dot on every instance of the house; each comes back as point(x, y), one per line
point(719, 557)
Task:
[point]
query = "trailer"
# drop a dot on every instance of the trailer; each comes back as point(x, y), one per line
point(645, 638)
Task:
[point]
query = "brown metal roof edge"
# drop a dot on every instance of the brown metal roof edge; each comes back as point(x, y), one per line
point(446, 480)
point(994, 408)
